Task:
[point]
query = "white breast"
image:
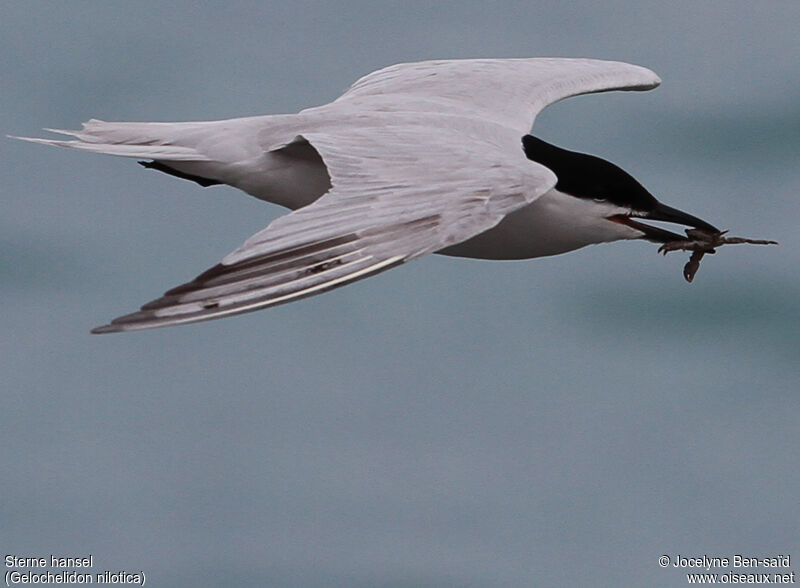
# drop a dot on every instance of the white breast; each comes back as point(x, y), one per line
point(555, 223)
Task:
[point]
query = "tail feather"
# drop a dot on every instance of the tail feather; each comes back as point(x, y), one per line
point(171, 153)
point(234, 151)
point(165, 141)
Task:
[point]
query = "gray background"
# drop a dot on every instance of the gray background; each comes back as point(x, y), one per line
point(561, 421)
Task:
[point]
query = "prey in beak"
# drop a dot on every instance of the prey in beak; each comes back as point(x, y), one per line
point(703, 238)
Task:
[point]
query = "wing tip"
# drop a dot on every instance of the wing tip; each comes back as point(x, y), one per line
point(127, 322)
point(650, 79)
point(123, 326)
point(109, 328)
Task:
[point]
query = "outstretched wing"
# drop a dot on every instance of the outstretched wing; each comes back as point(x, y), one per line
point(400, 189)
point(510, 92)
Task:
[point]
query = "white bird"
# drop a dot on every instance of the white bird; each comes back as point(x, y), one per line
point(413, 159)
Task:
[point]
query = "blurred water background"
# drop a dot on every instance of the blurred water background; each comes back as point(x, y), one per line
point(562, 421)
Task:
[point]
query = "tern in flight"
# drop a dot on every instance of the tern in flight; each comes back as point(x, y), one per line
point(417, 158)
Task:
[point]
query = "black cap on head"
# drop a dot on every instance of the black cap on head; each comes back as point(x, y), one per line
point(589, 177)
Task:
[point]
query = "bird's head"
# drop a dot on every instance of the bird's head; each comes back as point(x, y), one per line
point(592, 178)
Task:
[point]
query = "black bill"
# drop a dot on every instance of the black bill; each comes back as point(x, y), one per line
point(662, 212)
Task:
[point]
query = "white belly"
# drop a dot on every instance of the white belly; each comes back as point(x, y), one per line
point(554, 223)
